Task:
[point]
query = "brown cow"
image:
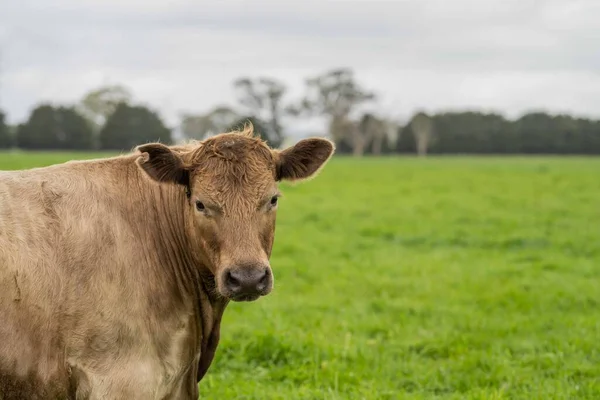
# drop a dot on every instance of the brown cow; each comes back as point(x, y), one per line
point(114, 273)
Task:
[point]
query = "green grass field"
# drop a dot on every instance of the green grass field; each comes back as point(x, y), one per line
point(443, 278)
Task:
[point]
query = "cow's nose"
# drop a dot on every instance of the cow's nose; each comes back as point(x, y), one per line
point(248, 282)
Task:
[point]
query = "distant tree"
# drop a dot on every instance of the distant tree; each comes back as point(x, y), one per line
point(5, 134)
point(373, 135)
point(531, 130)
point(347, 135)
point(488, 133)
point(422, 128)
point(129, 126)
point(213, 122)
point(405, 142)
point(388, 141)
point(195, 126)
point(334, 95)
point(98, 104)
point(261, 128)
point(50, 128)
point(41, 131)
point(538, 132)
point(587, 137)
point(473, 132)
point(78, 134)
point(262, 97)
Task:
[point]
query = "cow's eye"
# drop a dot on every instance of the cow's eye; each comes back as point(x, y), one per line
point(200, 206)
point(274, 201)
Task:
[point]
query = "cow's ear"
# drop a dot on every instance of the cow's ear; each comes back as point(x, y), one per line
point(162, 164)
point(304, 159)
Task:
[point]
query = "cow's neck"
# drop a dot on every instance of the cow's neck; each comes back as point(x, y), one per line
point(192, 280)
point(170, 240)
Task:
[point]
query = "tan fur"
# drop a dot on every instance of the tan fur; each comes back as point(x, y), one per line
point(110, 278)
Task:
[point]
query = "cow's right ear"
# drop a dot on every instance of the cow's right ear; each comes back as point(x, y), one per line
point(162, 164)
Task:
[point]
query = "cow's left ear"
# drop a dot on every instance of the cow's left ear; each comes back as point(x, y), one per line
point(162, 164)
point(304, 159)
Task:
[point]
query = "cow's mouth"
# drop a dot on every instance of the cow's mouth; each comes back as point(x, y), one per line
point(246, 297)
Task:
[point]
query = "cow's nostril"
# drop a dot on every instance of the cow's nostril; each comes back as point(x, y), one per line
point(263, 282)
point(232, 282)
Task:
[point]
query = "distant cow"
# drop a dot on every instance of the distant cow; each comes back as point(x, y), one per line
point(114, 273)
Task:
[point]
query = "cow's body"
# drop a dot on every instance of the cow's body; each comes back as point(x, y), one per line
point(74, 239)
point(114, 273)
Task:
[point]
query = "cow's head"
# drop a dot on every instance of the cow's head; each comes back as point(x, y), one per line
point(231, 203)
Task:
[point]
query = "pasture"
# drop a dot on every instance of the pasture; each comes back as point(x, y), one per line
point(401, 278)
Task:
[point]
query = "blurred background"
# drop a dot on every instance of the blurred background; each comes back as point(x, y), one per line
point(449, 250)
point(377, 76)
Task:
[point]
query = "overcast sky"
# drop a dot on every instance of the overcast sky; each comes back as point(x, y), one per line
point(508, 56)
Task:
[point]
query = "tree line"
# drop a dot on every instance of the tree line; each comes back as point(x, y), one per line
point(108, 118)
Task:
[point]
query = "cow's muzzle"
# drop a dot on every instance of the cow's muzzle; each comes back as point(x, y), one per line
point(247, 282)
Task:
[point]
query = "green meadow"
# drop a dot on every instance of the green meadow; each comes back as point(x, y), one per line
point(436, 278)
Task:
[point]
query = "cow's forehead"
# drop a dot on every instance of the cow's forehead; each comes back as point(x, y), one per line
point(234, 170)
point(238, 148)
